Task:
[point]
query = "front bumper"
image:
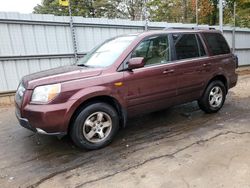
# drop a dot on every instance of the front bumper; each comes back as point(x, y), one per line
point(25, 123)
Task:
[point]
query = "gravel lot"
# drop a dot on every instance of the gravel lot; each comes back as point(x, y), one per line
point(177, 147)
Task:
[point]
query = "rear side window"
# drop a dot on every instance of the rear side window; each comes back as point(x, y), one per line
point(217, 43)
point(187, 46)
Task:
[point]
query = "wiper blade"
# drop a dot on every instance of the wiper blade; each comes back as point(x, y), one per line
point(83, 65)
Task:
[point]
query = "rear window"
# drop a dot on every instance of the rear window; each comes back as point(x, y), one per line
point(217, 43)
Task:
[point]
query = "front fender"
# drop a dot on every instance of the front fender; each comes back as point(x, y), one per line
point(88, 93)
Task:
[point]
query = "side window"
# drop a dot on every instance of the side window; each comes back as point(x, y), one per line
point(217, 43)
point(201, 47)
point(155, 50)
point(141, 50)
point(185, 46)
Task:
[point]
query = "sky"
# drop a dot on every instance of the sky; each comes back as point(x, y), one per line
point(22, 6)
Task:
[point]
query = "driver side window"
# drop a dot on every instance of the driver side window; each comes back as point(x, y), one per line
point(155, 50)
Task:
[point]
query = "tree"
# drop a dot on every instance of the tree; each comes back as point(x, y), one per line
point(49, 6)
point(184, 11)
point(242, 12)
point(172, 10)
point(132, 8)
point(159, 10)
point(129, 9)
point(86, 8)
point(205, 11)
point(165, 10)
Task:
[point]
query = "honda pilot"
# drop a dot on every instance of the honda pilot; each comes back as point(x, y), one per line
point(127, 76)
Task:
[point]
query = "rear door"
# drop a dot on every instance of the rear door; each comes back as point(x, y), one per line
point(192, 65)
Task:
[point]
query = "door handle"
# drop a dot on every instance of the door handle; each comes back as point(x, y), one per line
point(168, 71)
point(207, 64)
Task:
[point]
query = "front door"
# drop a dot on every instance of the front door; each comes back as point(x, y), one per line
point(152, 87)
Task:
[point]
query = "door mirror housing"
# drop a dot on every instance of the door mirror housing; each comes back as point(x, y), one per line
point(135, 63)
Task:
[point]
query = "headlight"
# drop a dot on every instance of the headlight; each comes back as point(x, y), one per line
point(20, 90)
point(19, 94)
point(45, 94)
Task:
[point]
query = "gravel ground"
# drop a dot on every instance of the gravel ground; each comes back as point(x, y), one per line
point(177, 147)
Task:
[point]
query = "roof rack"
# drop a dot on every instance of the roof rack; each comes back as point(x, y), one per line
point(192, 28)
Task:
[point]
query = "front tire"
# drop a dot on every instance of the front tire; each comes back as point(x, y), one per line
point(95, 126)
point(213, 97)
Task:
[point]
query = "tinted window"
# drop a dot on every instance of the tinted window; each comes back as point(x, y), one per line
point(155, 50)
point(201, 47)
point(217, 43)
point(185, 46)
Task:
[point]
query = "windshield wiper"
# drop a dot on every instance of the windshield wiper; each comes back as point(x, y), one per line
point(83, 65)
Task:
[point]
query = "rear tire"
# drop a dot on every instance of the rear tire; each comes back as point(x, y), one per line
point(213, 98)
point(95, 126)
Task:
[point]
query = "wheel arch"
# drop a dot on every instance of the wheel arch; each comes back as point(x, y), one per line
point(221, 78)
point(105, 99)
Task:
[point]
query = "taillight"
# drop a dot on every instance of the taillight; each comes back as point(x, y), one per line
point(236, 60)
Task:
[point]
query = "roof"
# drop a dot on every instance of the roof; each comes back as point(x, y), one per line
point(167, 31)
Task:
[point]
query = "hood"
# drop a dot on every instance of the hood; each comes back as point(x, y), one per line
point(60, 74)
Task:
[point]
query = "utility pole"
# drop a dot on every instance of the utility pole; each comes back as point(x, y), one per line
point(145, 12)
point(221, 15)
point(73, 34)
point(66, 3)
point(233, 41)
point(196, 12)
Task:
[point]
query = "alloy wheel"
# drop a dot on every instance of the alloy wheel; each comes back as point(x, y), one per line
point(215, 97)
point(97, 127)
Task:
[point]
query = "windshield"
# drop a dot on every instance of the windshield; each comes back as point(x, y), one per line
point(106, 53)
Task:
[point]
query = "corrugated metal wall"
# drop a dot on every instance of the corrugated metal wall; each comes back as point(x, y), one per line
point(32, 42)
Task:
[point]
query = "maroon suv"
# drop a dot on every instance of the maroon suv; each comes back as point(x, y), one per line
point(126, 76)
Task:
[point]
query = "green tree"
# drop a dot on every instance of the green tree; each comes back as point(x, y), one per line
point(172, 11)
point(168, 10)
point(133, 9)
point(242, 12)
point(129, 9)
point(159, 10)
point(86, 8)
point(184, 11)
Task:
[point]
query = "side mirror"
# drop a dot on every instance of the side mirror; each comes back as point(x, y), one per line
point(135, 63)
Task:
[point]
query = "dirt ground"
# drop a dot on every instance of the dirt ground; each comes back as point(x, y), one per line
point(177, 147)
